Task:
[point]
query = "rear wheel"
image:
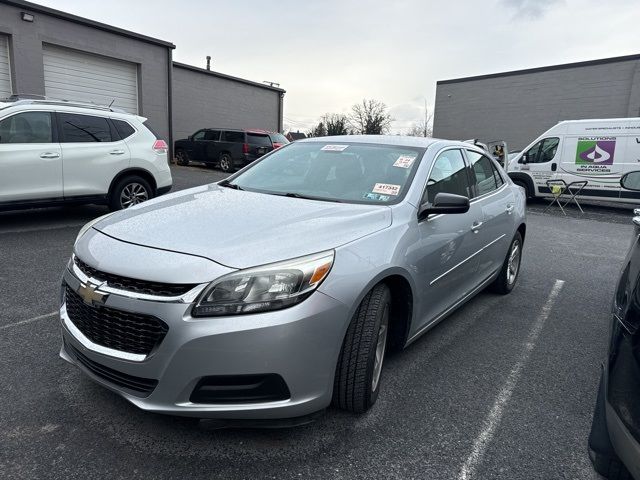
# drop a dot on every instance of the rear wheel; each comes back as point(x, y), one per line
point(182, 158)
point(510, 268)
point(359, 369)
point(130, 191)
point(226, 163)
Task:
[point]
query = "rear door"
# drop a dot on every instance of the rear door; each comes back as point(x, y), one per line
point(30, 158)
point(259, 144)
point(92, 153)
point(497, 203)
point(212, 145)
point(231, 142)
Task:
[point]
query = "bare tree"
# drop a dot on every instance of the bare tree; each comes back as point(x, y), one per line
point(318, 131)
point(424, 127)
point(370, 117)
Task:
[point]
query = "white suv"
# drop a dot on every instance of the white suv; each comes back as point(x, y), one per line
point(55, 152)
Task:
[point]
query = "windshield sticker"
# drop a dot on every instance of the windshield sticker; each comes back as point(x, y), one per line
point(404, 161)
point(334, 148)
point(386, 188)
point(376, 196)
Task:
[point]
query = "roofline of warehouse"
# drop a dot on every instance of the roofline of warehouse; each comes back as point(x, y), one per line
point(35, 8)
point(227, 77)
point(563, 66)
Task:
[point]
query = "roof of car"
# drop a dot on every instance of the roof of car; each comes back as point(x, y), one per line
point(400, 140)
point(67, 106)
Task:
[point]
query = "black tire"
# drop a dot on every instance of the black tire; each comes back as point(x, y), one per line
point(601, 452)
point(522, 184)
point(506, 280)
point(353, 388)
point(182, 158)
point(225, 162)
point(135, 185)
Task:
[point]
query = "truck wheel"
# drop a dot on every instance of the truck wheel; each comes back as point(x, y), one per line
point(357, 381)
point(182, 158)
point(226, 163)
point(510, 268)
point(128, 192)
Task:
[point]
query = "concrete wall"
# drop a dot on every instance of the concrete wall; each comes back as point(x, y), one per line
point(205, 99)
point(519, 106)
point(25, 45)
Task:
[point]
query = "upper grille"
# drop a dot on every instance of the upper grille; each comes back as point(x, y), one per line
point(116, 329)
point(134, 285)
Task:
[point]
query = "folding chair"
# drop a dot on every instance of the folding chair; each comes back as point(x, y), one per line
point(560, 190)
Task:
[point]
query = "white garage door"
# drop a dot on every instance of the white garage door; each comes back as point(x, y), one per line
point(5, 69)
point(78, 76)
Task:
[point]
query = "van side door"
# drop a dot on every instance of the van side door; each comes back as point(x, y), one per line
point(30, 158)
point(541, 163)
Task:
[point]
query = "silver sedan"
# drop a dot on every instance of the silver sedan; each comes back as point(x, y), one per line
point(278, 291)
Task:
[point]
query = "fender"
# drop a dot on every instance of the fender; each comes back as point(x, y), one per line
point(526, 179)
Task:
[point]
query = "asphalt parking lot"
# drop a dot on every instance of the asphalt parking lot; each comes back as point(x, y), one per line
point(504, 388)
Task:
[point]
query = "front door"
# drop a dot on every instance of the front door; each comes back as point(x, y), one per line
point(30, 158)
point(445, 259)
point(198, 146)
point(541, 162)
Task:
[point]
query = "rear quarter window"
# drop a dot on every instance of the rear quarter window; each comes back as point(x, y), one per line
point(124, 129)
point(258, 139)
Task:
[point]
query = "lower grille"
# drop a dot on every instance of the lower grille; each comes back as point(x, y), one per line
point(143, 387)
point(116, 329)
point(240, 389)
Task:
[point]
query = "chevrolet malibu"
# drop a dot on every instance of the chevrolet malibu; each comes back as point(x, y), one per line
point(277, 291)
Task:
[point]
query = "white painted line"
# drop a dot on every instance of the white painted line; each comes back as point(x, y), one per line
point(29, 320)
point(493, 419)
point(40, 229)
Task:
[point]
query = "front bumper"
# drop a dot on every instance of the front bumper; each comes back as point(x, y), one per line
point(301, 344)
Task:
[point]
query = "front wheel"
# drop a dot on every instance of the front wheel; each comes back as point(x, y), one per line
point(359, 369)
point(128, 192)
point(182, 158)
point(510, 268)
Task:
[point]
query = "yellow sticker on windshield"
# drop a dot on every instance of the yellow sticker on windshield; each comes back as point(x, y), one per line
point(386, 188)
point(334, 148)
point(404, 161)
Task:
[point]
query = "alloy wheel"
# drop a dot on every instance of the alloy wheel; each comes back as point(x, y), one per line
point(133, 194)
point(513, 264)
point(381, 347)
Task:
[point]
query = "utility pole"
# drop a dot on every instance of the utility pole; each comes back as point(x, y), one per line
point(426, 117)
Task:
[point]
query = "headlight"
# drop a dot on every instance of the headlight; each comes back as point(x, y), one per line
point(261, 289)
point(90, 224)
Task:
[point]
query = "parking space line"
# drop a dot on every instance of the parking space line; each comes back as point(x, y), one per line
point(29, 320)
point(493, 419)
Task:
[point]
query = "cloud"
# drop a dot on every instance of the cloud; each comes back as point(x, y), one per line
point(530, 9)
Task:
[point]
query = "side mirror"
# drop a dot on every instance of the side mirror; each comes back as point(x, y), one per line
point(524, 159)
point(444, 203)
point(190, 138)
point(631, 181)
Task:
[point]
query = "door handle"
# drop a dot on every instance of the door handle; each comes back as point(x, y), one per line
point(509, 208)
point(476, 226)
point(116, 152)
point(50, 155)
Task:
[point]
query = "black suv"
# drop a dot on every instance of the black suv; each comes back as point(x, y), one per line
point(228, 149)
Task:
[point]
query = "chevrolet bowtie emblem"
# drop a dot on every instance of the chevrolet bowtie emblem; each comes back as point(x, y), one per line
point(90, 295)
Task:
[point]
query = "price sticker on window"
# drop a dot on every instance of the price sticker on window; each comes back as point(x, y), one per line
point(334, 148)
point(386, 188)
point(404, 161)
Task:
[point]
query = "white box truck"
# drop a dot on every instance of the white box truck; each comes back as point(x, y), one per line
point(598, 151)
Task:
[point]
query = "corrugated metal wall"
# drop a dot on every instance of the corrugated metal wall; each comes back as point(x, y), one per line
point(201, 99)
point(5, 68)
point(519, 107)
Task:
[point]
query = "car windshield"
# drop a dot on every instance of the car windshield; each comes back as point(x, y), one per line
point(344, 172)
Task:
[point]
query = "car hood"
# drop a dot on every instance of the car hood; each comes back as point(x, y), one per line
point(241, 229)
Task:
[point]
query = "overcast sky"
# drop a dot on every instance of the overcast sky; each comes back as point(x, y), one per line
point(331, 54)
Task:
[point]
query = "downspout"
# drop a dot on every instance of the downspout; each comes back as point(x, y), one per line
point(280, 112)
point(170, 98)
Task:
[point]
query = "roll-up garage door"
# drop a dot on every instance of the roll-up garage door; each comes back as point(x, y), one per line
point(79, 76)
point(5, 68)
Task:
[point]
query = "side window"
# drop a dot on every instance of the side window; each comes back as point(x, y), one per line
point(235, 137)
point(199, 135)
point(124, 129)
point(213, 135)
point(448, 175)
point(27, 127)
point(84, 128)
point(542, 152)
point(488, 178)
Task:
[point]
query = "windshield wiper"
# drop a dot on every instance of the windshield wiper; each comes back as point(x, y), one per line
point(227, 184)
point(309, 197)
